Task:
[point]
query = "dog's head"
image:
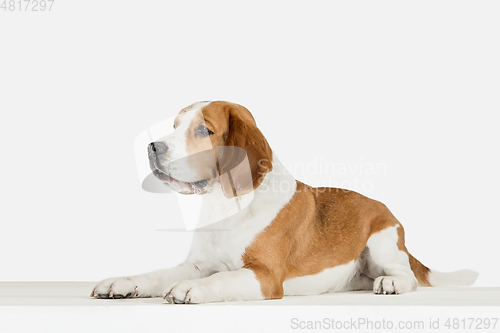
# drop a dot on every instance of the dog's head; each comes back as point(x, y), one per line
point(213, 144)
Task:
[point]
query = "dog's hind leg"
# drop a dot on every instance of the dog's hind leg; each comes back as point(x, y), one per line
point(388, 257)
point(366, 272)
point(360, 281)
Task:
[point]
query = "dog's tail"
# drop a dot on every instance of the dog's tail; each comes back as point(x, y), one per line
point(428, 277)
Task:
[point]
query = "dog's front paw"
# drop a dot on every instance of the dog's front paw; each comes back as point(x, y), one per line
point(115, 288)
point(188, 292)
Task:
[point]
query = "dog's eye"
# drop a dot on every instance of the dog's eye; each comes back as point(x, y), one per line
point(174, 126)
point(203, 131)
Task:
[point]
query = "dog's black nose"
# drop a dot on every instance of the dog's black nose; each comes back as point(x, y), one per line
point(157, 148)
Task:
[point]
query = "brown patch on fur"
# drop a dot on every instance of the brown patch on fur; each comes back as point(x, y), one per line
point(318, 229)
point(196, 143)
point(234, 126)
point(421, 272)
point(199, 148)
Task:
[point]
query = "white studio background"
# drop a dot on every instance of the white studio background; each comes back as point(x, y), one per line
point(409, 88)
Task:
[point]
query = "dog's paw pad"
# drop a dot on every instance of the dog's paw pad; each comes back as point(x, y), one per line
point(386, 285)
point(115, 288)
point(186, 292)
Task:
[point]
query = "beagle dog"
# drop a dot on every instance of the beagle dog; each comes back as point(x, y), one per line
point(269, 235)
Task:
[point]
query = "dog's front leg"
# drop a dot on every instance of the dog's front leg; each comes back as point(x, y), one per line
point(152, 284)
point(238, 285)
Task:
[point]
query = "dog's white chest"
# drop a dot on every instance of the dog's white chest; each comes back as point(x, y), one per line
point(225, 241)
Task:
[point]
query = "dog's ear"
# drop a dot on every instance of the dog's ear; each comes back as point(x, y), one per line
point(246, 157)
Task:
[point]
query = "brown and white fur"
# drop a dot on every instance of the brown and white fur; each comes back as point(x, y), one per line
point(289, 239)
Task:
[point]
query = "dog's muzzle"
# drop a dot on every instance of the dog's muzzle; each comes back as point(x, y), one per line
point(155, 150)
